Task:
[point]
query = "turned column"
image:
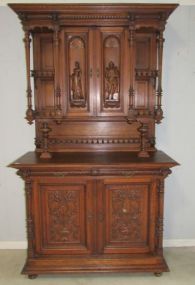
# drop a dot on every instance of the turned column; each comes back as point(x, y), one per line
point(132, 112)
point(160, 41)
point(29, 112)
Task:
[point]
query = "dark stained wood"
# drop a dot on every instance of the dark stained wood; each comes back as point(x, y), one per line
point(100, 63)
point(157, 159)
point(95, 184)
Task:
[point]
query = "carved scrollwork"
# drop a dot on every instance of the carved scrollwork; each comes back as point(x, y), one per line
point(165, 172)
point(24, 173)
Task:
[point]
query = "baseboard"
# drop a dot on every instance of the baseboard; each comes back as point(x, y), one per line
point(166, 243)
point(13, 244)
point(178, 242)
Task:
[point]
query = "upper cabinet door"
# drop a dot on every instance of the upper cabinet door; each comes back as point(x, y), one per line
point(76, 71)
point(111, 66)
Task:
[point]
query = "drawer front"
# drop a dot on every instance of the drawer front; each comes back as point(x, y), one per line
point(63, 216)
point(126, 219)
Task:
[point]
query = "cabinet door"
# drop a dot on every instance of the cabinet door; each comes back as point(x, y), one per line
point(63, 210)
point(77, 71)
point(112, 71)
point(126, 215)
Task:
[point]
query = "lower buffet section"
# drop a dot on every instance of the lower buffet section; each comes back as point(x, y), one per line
point(133, 263)
point(94, 214)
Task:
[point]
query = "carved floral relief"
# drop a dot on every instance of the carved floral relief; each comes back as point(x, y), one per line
point(126, 215)
point(64, 216)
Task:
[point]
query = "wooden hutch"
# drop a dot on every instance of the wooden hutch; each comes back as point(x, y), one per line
point(95, 183)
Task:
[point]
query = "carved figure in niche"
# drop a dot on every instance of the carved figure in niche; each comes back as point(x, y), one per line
point(112, 82)
point(76, 83)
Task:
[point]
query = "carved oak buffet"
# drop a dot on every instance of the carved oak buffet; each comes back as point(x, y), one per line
point(95, 183)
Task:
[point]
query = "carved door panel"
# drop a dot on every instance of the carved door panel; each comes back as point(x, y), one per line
point(126, 215)
point(76, 71)
point(111, 66)
point(64, 216)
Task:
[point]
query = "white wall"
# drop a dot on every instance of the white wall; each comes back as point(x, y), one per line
point(175, 135)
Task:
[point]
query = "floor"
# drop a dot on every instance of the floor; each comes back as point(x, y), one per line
point(180, 260)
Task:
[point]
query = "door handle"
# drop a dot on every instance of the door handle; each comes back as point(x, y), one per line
point(98, 73)
point(90, 72)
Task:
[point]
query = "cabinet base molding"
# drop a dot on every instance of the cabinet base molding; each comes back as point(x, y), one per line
point(142, 263)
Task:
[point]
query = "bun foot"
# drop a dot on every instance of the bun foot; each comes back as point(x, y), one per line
point(32, 276)
point(158, 274)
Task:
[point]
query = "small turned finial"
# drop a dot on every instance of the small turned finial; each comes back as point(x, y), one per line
point(158, 114)
point(45, 133)
point(143, 129)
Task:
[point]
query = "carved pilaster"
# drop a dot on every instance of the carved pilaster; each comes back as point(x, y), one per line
point(30, 114)
point(143, 133)
point(29, 220)
point(159, 222)
point(45, 139)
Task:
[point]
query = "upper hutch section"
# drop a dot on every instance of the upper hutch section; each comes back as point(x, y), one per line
point(97, 71)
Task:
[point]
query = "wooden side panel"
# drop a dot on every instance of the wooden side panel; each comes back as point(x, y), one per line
point(43, 70)
point(128, 210)
point(146, 71)
point(61, 216)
